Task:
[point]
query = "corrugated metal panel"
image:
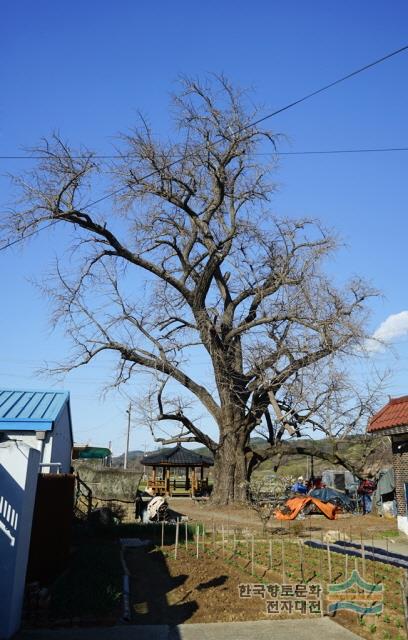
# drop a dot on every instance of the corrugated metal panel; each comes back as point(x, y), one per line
point(30, 410)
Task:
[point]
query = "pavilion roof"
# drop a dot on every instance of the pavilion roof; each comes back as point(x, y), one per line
point(177, 457)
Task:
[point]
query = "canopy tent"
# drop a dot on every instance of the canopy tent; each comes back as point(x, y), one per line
point(167, 461)
point(94, 453)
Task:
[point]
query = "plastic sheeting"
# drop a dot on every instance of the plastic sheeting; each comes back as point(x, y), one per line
point(295, 506)
point(333, 496)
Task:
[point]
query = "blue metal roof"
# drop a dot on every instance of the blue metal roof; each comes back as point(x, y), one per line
point(30, 410)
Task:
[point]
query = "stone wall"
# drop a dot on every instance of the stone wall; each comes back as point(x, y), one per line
point(109, 482)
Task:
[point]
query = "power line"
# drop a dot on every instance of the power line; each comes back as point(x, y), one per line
point(248, 126)
point(271, 153)
point(328, 86)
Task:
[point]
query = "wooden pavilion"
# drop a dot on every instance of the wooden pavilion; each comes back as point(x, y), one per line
point(168, 465)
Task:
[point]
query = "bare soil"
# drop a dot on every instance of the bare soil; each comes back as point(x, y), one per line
point(187, 589)
point(242, 516)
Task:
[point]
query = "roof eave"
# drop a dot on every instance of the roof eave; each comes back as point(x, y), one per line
point(389, 431)
point(21, 424)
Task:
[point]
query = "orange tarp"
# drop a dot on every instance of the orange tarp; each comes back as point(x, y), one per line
point(297, 504)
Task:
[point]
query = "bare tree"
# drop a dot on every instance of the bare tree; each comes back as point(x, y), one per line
point(329, 410)
point(190, 260)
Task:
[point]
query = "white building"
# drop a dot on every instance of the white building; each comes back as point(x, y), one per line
point(42, 420)
point(35, 436)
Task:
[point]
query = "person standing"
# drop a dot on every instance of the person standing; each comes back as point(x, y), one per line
point(366, 490)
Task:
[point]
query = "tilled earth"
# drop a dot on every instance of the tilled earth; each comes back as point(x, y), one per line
point(172, 591)
point(187, 589)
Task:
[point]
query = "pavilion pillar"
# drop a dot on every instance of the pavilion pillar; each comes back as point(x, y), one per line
point(167, 480)
point(193, 483)
point(186, 485)
point(154, 479)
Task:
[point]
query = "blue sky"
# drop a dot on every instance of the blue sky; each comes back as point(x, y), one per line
point(86, 68)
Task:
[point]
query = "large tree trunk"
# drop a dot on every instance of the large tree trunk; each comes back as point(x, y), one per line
point(230, 470)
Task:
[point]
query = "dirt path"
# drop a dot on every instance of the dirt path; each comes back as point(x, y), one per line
point(245, 517)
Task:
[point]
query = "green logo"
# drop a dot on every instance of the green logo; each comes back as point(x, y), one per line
point(355, 594)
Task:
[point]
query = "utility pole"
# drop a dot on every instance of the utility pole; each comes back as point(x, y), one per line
point(125, 461)
point(144, 455)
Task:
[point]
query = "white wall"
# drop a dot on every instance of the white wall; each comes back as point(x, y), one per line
point(18, 484)
point(56, 446)
point(402, 522)
point(61, 448)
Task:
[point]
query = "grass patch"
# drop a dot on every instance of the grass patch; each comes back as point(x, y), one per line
point(390, 533)
point(150, 531)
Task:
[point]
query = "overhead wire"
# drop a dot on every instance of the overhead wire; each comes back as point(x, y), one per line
point(266, 153)
point(244, 128)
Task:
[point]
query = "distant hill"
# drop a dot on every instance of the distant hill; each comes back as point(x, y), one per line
point(133, 459)
point(290, 464)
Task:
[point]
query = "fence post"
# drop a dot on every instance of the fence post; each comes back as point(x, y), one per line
point(363, 563)
point(329, 561)
point(283, 562)
point(177, 539)
point(404, 589)
point(252, 555)
point(301, 559)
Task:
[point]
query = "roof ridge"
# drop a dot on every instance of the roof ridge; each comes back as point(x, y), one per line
point(398, 400)
point(393, 414)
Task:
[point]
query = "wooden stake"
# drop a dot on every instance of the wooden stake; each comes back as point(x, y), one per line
point(346, 566)
point(235, 542)
point(177, 539)
point(223, 540)
point(301, 559)
point(329, 561)
point(283, 562)
point(404, 591)
point(321, 556)
point(203, 536)
point(252, 555)
point(197, 537)
point(373, 554)
point(186, 534)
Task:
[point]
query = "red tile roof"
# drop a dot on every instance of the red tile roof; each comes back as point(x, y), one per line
point(394, 414)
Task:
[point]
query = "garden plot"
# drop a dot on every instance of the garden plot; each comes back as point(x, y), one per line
point(197, 578)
